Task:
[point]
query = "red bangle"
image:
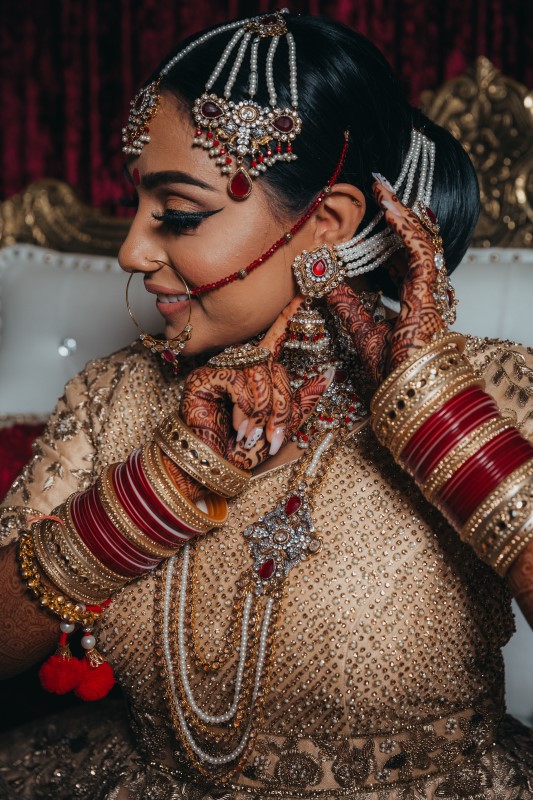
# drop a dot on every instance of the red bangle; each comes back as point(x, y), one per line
point(133, 555)
point(181, 529)
point(449, 433)
point(80, 516)
point(457, 417)
point(482, 473)
point(140, 512)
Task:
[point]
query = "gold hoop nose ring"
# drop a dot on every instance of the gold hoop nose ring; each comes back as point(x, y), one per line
point(168, 349)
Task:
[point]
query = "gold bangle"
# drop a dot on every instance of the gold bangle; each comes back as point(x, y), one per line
point(122, 521)
point(410, 397)
point(418, 359)
point(85, 586)
point(169, 494)
point(63, 607)
point(504, 531)
point(467, 447)
point(503, 493)
point(196, 458)
point(87, 560)
point(434, 401)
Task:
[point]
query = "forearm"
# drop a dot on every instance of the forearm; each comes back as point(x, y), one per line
point(469, 461)
point(521, 582)
point(27, 631)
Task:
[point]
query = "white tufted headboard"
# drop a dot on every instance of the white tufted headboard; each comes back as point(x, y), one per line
point(57, 311)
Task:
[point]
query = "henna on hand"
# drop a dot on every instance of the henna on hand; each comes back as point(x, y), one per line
point(382, 346)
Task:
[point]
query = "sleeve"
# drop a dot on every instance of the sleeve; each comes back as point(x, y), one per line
point(62, 462)
point(507, 369)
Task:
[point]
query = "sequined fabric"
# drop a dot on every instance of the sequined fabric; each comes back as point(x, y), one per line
point(387, 676)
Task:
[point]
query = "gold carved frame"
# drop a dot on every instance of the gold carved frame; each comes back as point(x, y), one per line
point(490, 114)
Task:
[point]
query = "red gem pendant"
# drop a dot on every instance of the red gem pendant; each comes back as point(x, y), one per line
point(284, 124)
point(240, 185)
point(266, 570)
point(292, 505)
point(168, 355)
point(431, 215)
point(211, 110)
point(319, 268)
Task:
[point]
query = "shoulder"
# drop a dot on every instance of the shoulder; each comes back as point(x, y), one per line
point(507, 368)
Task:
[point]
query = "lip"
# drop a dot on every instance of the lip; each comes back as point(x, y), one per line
point(168, 309)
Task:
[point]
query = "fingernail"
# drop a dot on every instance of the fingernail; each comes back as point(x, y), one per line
point(392, 208)
point(253, 438)
point(381, 179)
point(242, 428)
point(329, 374)
point(277, 440)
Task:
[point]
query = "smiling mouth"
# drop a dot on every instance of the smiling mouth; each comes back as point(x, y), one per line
point(172, 298)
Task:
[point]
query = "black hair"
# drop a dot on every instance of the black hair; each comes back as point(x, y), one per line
point(344, 83)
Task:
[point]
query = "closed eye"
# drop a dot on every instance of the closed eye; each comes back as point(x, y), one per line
point(179, 221)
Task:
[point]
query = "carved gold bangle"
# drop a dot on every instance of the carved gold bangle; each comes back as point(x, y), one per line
point(455, 459)
point(411, 366)
point(435, 400)
point(65, 608)
point(503, 493)
point(196, 458)
point(121, 520)
point(178, 504)
point(506, 528)
point(64, 571)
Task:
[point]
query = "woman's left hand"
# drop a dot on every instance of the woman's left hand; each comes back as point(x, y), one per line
point(384, 345)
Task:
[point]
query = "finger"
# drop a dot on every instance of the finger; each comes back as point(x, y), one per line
point(259, 384)
point(281, 408)
point(405, 224)
point(277, 333)
point(370, 339)
point(306, 399)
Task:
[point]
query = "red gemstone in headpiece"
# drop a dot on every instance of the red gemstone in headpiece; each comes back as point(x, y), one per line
point(271, 19)
point(138, 102)
point(266, 570)
point(292, 505)
point(319, 268)
point(211, 110)
point(240, 185)
point(431, 215)
point(285, 124)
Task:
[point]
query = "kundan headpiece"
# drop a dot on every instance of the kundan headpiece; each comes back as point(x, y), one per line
point(243, 137)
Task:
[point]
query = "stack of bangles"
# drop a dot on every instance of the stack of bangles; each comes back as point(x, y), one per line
point(468, 460)
point(121, 528)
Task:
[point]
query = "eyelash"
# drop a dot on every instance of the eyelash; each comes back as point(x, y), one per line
point(176, 221)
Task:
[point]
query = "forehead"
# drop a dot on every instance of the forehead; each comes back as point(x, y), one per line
point(171, 145)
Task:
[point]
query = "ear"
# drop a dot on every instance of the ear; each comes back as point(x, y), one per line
point(339, 215)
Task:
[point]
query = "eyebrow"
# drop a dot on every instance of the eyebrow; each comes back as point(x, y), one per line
point(152, 180)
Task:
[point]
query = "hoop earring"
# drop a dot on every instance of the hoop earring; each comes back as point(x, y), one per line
point(168, 349)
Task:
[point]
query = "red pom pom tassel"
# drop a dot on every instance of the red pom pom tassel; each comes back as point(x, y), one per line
point(97, 677)
point(61, 673)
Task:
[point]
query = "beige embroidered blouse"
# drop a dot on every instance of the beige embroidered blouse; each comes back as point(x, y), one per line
point(387, 676)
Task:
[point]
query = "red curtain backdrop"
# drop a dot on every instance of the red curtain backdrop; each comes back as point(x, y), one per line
point(68, 68)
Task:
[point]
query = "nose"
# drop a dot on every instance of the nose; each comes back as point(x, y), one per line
point(141, 250)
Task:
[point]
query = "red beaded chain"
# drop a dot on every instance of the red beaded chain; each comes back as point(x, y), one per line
point(243, 273)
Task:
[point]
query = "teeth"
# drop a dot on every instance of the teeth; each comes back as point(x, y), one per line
point(171, 298)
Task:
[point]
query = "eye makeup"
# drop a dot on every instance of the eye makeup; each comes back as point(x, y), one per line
point(178, 221)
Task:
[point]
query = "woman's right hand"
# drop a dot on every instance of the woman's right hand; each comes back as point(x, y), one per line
point(248, 413)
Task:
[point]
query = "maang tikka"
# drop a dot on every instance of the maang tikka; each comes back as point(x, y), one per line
point(244, 138)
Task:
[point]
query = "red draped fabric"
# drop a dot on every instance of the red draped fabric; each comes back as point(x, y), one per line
point(68, 68)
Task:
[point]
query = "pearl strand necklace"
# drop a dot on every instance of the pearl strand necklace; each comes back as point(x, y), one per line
point(263, 638)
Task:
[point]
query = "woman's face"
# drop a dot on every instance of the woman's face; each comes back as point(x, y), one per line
point(175, 180)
